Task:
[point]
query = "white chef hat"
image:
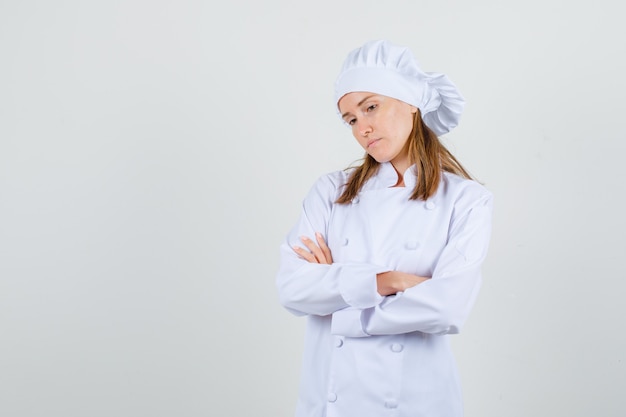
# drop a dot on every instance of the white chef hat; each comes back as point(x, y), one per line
point(381, 67)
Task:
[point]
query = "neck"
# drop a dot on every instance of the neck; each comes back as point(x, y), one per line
point(400, 182)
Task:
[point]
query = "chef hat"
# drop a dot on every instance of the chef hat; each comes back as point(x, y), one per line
point(381, 67)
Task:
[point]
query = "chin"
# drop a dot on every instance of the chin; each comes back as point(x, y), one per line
point(380, 159)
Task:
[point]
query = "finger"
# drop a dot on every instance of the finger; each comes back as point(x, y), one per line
point(304, 254)
point(315, 250)
point(324, 247)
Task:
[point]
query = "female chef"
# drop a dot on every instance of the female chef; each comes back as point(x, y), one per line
point(385, 260)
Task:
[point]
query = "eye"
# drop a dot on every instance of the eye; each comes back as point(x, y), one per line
point(371, 108)
point(350, 122)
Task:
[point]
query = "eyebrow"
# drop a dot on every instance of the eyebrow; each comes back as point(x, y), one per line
point(358, 105)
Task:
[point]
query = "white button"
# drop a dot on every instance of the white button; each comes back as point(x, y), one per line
point(355, 200)
point(430, 205)
point(411, 244)
point(332, 397)
point(391, 403)
point(345, 241)
point(397, 347)
point(338, 342)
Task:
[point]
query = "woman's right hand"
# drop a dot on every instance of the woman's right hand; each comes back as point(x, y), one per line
point(392, 282)
point(387, 283)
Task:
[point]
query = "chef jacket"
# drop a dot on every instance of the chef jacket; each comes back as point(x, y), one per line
point(370, 355)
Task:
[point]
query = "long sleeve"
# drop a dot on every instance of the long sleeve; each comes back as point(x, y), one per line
point(307, 288)
point(440, 305)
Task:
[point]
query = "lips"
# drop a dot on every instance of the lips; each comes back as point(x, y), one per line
point(372, 142)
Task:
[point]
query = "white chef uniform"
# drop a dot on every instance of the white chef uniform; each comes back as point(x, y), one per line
point(369, 355)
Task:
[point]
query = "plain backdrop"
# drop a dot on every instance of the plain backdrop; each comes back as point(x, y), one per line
point(153, 154)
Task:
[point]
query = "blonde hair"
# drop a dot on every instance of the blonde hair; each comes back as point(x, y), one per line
point(428, 154)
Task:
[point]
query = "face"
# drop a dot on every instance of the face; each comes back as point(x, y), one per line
point(380, 124)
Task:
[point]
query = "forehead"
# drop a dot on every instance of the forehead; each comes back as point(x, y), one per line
point(354, 99)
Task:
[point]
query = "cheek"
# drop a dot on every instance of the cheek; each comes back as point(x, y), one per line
point(355, 135)
point(406, 126)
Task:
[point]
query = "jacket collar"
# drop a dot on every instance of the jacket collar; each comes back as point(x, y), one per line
point(387, 177)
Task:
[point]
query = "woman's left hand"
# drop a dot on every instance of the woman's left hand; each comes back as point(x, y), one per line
point(317, 253)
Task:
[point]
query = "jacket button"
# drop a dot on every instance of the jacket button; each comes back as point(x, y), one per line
point(411, 244)
point(355, 200)
point(345, 242)
point(430, 205)
point(338, 342)
point(391, 403)
point(396, 347)
point(332, 397)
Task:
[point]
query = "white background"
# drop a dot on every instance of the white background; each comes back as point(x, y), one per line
point(153, 154)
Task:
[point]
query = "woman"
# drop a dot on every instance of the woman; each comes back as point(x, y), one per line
point(385, 260)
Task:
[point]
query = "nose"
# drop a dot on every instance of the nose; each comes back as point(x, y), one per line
point(364, 127)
